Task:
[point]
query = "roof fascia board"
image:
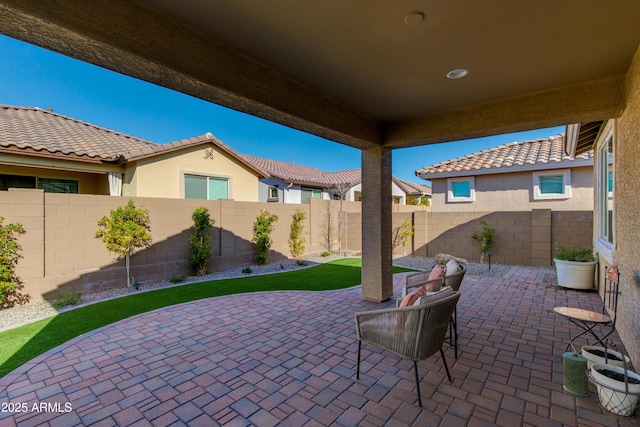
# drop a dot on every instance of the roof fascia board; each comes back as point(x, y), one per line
point(58, 164)
point(526, 168)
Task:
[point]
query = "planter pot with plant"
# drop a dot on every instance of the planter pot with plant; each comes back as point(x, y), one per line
point(618, 388)
point(595, 355)
point(575, 267)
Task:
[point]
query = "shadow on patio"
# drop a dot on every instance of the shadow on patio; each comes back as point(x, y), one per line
point(288, 358)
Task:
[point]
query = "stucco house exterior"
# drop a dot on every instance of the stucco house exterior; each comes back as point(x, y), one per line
point(293, 183)
point(43, 149)
point(518, 176)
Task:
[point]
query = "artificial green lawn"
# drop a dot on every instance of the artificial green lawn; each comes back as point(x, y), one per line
point(19, 345)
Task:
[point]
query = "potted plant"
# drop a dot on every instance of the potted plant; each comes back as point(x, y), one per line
point(595, 355)
point(618, 388)
point(575, 267)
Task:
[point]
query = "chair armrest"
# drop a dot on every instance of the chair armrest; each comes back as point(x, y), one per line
point(383, 318)
point(393, 329)
point(412, 287)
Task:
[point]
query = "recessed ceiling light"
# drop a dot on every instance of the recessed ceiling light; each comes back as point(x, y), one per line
point(414, 18)
point(458, 73)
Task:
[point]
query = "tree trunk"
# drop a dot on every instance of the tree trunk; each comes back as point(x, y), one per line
point(128, 268)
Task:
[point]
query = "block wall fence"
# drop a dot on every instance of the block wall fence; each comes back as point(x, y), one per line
point(60, 252)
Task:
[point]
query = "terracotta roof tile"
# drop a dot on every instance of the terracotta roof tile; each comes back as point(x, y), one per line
point(413, 188)
point(289, 172)
point(306, 175)
point(544, 151)
point(42, 130)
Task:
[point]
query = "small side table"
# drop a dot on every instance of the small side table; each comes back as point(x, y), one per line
point(585, 320)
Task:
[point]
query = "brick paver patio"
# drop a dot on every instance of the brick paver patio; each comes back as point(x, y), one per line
point(288, 358)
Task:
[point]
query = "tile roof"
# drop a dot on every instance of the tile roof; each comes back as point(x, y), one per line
point(49, 132)
point(413, 188)
point(543, 153)
point(30, 128)
point(305, 175)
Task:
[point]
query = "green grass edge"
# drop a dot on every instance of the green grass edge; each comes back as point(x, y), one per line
point(21, 344)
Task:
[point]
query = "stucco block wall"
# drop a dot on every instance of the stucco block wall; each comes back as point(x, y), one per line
point(523, 238)
point(61, 252)
point(514, 192)
point(627, 213)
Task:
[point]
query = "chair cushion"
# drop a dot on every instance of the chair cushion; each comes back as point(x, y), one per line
point(452, 267)
point(414, 296)
point(435, 296)
point(436, 272)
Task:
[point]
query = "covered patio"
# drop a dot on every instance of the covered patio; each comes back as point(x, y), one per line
point(288, 358)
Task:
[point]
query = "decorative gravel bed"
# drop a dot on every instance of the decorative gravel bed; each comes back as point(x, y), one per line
point(23, 314)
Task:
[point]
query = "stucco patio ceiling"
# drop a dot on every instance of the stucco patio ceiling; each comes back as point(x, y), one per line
point(361, 72)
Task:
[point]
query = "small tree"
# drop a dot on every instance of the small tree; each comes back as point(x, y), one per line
point(262, 228)
point(485, 238)
point(421, 201)
point(340, 192)
point(296, 238)
point(200, 241)
point(10, 284)
point(402, 235)
point(125, 230)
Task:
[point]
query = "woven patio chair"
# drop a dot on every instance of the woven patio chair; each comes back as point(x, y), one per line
point(414, 333)
point(414, 281)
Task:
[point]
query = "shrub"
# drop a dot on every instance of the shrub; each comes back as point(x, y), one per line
point(301, 262)
point(125, 230)
point(177, 279)
point(10, 284)
point(296, 239)
point(200, 241)
point(262, 228)
point(485, 238)
point(325, 254)
point(63, 299)
point(421, 201)
point(247, 270)
point(576, 253)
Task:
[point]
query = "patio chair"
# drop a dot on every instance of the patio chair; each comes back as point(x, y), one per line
point(414, 281)
point(587, 320)
point(414, 333)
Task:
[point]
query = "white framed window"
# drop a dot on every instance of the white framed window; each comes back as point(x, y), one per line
point(461, 189)
point(605, 194)
point(205, 187)
point(550, 185)
point(273, 194)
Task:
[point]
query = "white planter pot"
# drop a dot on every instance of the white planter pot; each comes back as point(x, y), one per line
point(612, 393)
point(575, 275)
point(594, 358)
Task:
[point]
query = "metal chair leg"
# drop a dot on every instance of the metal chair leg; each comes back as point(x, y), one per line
point(358, 368)
point(415, 369)
point(446, 368)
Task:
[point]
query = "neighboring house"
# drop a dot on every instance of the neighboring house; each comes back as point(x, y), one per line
point(43, 149)
point(292, 183)
point(416, 194)
point(518, 176)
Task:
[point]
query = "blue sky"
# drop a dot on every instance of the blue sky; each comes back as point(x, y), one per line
point(34, 77)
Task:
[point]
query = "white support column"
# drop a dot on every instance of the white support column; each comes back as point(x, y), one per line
point(377, 275)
